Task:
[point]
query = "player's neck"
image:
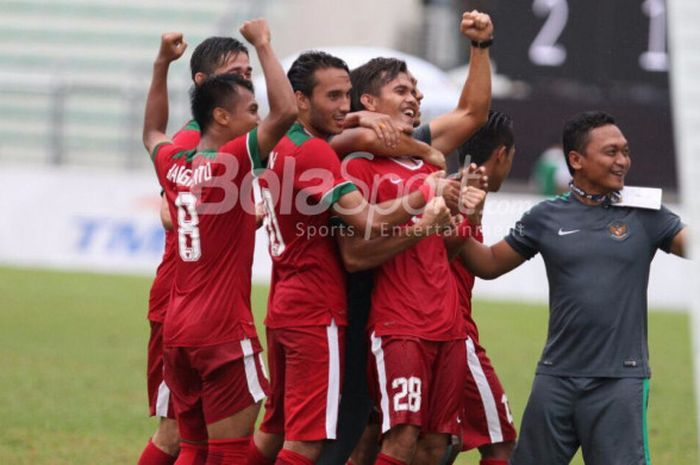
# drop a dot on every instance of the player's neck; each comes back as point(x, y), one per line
point(308, 127)
point(212, 140)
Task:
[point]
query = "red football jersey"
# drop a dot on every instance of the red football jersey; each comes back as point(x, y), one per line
point(301, 184)
point(465, 283)
point(414, 292)
point(210, 198)
point(188, 136)
point(159, 296)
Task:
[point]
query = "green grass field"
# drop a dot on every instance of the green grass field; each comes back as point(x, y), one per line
point(72, 369)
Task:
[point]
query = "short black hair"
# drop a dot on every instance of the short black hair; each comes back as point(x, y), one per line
point(372, 76)
point(213, 52)
point(301, 73)
point(497, 131)
point(578, 128)
point(215, 91)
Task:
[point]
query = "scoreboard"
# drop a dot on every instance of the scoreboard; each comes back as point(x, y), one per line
point(595, 41)
point(577, 55)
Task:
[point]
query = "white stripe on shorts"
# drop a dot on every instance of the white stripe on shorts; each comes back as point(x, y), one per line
point(251, 371)
point(482, 384)
point(163, 400)
point(381, 378)
point(333, 393)
point(262, 366)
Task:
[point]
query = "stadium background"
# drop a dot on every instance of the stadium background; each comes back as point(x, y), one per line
point(80, 195)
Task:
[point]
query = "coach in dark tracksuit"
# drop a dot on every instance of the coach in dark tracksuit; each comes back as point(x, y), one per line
point(592, 382)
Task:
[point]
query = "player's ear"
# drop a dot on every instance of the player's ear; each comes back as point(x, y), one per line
point(220, 116)
point(199, 78)
point(369, 102)
point(501, 154)
point(302, 101)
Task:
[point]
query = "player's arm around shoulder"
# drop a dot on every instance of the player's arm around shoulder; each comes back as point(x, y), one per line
point(400, 144)
point(155, 121)
point(283, 108)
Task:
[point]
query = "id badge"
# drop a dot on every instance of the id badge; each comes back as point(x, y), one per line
point(640, 197)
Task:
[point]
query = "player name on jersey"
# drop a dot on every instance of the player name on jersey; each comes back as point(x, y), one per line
point(188, 177)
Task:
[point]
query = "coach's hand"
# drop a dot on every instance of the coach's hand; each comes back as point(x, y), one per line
point(476, 26)
point(172, 46)
point(256, 31)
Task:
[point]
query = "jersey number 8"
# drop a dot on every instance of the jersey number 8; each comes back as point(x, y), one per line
point(188, 221)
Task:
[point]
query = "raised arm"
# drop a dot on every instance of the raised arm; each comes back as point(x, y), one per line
point(283, 107)
point(155, 119)
point(452, 129)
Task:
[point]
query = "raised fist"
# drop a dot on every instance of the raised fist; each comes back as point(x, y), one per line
point(476, 26)
point(172, 46)
point(256, 31)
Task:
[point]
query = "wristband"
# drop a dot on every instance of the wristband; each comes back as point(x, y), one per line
point(428, 192)
point(482, 44)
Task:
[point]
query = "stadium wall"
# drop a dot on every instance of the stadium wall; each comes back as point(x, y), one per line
point(104, 221)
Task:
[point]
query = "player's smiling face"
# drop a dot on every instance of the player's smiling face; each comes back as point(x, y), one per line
point(324, 112)
point(602, 167)
point(397, 98)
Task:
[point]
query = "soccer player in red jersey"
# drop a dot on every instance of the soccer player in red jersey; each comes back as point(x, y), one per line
point(416, 337)
point(307, 305)
point(447, 132)
point(486, 421)
point(211, 350)
point(214, 56)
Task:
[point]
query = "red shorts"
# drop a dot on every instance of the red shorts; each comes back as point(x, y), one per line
point(305, 364)
point(159, 398)
point(486, 417)
point(417, 382)
point(211, 383)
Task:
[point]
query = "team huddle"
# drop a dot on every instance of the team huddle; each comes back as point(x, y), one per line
point(372, 351)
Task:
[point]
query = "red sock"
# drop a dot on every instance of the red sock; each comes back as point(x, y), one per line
point(493, 462)
point(287, 457)
point(151, 455)
point(349, 462)
point(227, 451)
point(255, 457)
point(386, 460)
point(192, 454)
